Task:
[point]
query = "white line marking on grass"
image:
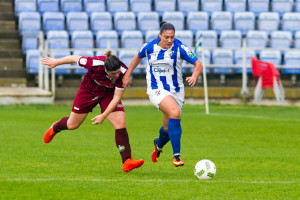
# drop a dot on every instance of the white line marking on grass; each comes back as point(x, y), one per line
point(254, 117)
point(142, 181)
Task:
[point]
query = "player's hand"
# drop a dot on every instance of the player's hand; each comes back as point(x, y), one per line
point(98, 119)
point(51, 62)
point(191, 81)
point(126, 81)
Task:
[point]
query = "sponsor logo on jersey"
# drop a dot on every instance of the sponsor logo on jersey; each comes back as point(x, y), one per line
point(97, 62)
point(95, 98)
point(121, 148)
point(83, 61)
point(160, 70)
point(120, 105)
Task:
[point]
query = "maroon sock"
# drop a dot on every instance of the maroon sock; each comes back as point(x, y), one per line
point(61, 125)
point(122, 142)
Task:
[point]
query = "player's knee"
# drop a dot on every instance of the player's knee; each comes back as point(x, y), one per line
point(175, 113)
point(73, 126)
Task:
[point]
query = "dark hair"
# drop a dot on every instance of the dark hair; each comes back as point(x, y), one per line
point(111, 62)
point(166, 26)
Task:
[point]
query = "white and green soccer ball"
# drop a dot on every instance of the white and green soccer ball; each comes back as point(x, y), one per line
point(205, 169)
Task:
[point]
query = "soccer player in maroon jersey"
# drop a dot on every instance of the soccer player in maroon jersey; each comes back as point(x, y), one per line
point(102, 84)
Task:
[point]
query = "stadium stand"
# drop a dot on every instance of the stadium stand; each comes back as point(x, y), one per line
point(91, 6)
point(29, 22)
point(244, 21)
point(231, 39)
point(258, 6)
point(107, 39)
point(197, 21)
point(211, 5)
point(238, 60)
point(114, 6)
point(53, 21)
point(77, 21)
point(29, 41)
point(187, 6)
point(268, 21)
point(291, 59)
point(137, 6)
point(235, 5)
point(222, 57)
point(290, 22)
point(132, 39)
point(24, 6)
point(221, 21)
point(48, 6)
point(281, 39)
point(32, 61)
point(282, 6)
point(124, 21)
point(175, 18)
point(257, 39)
point(71, 6)
point(162, 6)
point(101, 21)
point(148, 21)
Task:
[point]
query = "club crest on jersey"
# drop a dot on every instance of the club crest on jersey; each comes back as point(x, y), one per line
point(113, 80)
point(121, 148)
point(83, 61)
point(170, 52)
point(97, 62)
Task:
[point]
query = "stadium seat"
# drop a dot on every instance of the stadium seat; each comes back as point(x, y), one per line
point(185, 36)
point(291, 59)
point(24, 6)
point(114, 6)
point(162, 6)
point(238, 60)
point(32, 61)
point(197, 21)
point(140, 5)
point(132, 39)
point(82, 40)
point(235, 5)
point(210, 38)
point(221, 21)
point(281, 39)
point(148, 21)
point(297, 5)
point(272, 56)
point(126, 57)
point(70, 6)
point(187, 6)
point(107, 40)
point(124, 21)
point(82, 70)
point(290, 22)
point(29, 40)
point(282, 6)
point(100, 21)
point(207, 58)
point(48, 6)
point(102, 52)
point(257, 39)
point(258, 6)
point(175, 18)
point(244, 21)
point(222, 57)
point(268, 21)
point(231, 39)
point(211, 5)
point(53, 21)
point(297, 40)
point(151, 35)
point(29, 22)
point(77, 21)
point(91, 6)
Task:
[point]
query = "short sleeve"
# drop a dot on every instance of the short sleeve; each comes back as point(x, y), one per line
point(187, 55)
point(143, 51)
point(89, 62)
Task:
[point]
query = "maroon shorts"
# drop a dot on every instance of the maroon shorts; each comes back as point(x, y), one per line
point(85, 101)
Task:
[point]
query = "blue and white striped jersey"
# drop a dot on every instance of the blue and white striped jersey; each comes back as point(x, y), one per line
point(164, 65)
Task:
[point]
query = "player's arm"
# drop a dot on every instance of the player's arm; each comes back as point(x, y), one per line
point(52, 62)
point(111, 106)
point(197, 71)
point(134, 63)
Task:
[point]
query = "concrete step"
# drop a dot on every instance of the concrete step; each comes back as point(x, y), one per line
point(6, 16)
point(11, 64)
point(11, 53)
point(8, 25)
point(14, 73)
point(9, 44)
point(9, 34)
point(7, 1)
point(13, 82)
point(6, 7)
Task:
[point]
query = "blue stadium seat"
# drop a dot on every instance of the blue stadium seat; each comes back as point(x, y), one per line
point(290, 22)
point(70, 6)
point(187, 6)
point(268, 21)
point(91, 6)
point(210, 38)
point(162, 6)
point(102, 52)
point(117, 6)
point(32, 61)
point(53, 21)
point(282, 6)
point(197, 21)
point(222, 57)
point(297, 5)
point(107, 40)
point(29, 22)
point(221, 21)
point(211, 6)
point(175, 18)
point(207, 59)
point(48, 6)
point(244, 21)
point(124, 21)
point(281, 39)
point(235, 5)
point(29, 41)
point(238, 60)
point(140, 5)
point(151, 35)
point(272, 56)
point(82, 40)
point(82, 70)
point(126, 57)
point(60, 69)
point(186, 37)
point(257, 39)
point(148, 21)
point(132, 39)
point(77, 21)
point(258, 6)
point(291, 59)
point(231, 39)
point(297, 40)
point(24, 6)
point(101, 21)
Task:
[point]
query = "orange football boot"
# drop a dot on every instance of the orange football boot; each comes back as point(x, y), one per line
point(177, 161)
point(156, 152)
point(49, 135)
point(131, 164)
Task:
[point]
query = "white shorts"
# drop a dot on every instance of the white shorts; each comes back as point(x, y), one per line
point(156, 96)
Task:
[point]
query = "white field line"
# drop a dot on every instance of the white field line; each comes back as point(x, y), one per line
point(254, 117)
point(141, 181)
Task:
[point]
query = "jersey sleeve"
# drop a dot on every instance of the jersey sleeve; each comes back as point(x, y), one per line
point(187, 55)
point(143, 51)
point(89, 62)
point(119, 83)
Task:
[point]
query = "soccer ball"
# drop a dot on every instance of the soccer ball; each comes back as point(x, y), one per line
point(205, 169)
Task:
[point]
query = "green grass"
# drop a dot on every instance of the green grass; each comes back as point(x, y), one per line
point(256, 150)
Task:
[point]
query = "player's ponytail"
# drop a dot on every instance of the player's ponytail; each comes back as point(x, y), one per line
point(166, 26)
point(111, 62)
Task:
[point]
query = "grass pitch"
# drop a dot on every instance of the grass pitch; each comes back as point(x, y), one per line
point(256, 150)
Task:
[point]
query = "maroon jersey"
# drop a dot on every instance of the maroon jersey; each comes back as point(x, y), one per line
point(96, 79)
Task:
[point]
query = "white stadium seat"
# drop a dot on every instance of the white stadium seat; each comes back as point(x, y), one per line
point(273, 56)
point(211, 5)
point(258, 6)
point(282, 6)
point(209, 39)
point(148, 21)
point(132, 39)
point(268, 21)
point(197, 21)
point(77, 21)
point(257, 39)
point(117, 6)
point(231, 39)
point(107, 39)
point(185, 36)
point(101, 21)
point(291, 22)
point(235, 5)
point(281, 39)
point(244, 21)
point(186, 6)
point(124, 21)
point(221, 21)
point(175, 18)
point(140, 5)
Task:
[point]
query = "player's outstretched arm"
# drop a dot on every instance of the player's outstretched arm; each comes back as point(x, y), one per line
point(134, 63)
point(52, 62)
point(197, 71)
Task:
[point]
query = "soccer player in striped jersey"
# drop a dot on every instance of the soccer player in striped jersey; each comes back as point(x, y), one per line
point(102, 84)
point(165, 86)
